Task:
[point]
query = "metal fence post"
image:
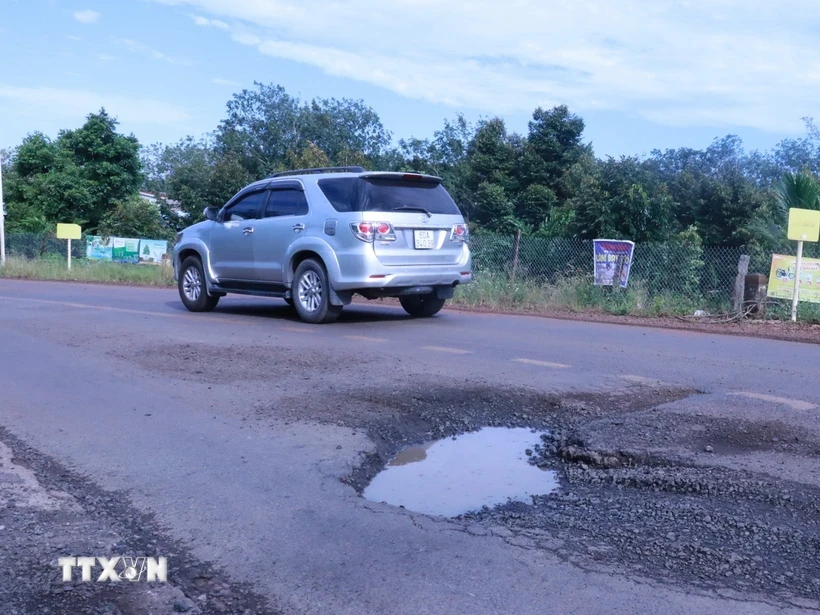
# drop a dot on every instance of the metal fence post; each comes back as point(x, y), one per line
point(740, 282)
point(515, 254)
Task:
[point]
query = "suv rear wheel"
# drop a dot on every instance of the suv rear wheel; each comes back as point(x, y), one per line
point(310, 293)
point(422, 306)
point(192, 289)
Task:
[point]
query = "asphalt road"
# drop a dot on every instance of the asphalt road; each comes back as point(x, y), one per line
point(234, 428)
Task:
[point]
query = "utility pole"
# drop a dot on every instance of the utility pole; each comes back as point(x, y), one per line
point(2, 219)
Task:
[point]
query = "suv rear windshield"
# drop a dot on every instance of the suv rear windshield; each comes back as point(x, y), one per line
point(352, 194)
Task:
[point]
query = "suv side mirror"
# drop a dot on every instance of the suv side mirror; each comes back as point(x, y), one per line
point(211, 213)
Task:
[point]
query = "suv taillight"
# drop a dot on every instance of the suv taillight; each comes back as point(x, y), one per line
point(373, 231)
point(460, 232)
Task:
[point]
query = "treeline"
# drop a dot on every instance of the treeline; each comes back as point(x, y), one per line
point(546, 182)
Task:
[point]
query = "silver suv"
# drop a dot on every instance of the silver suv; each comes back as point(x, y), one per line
point(316, 237)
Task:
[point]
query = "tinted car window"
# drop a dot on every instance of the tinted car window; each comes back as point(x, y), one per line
point(286, 203)
point(392, 195)
point(354, 194)
point(341, 192)
point(246, 208)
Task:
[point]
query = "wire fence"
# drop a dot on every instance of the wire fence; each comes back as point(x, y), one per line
point(675, 276)
point(696, 275)
point(38, 245)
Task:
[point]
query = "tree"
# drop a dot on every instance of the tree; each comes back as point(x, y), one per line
point(766, 231)
point(494, 209)
point(37, 155)
point(267, 130)
point(797, 190)
point(45, 185)
point(156, 167)
point(109, 162)
point(74, 178)
point(491, 156)
point(135, 217)
point(619, 199)
point(198, 175)
point(714, 190)
point(535, 205)
point(311, 157)
point(344, 129)
point(553, 146)
point(547, 181)
point(261, 129)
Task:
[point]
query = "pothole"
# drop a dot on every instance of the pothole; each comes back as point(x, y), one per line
point(454, 476)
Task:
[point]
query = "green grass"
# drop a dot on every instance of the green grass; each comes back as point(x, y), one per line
point(488, 290)
point(574, 294)
point(781, 309)
point(82, 270)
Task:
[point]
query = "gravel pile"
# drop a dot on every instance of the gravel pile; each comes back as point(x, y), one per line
point(707, 527)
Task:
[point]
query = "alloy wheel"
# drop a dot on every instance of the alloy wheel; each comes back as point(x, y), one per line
point(192, 284)
point(310, 291)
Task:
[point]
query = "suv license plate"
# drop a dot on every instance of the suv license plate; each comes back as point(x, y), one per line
point(424, 240)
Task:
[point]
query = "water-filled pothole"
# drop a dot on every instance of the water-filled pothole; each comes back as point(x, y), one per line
point(454, 476)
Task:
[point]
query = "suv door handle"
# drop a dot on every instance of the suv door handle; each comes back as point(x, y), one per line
point(298, 227)
point(247, 230)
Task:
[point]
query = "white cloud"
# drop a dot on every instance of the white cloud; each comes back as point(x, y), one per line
point(209, 23)
point(75, 104)
point(136, 47)
point(218, 81)
point(104, 57)
point(71, 37)
point(747, 63)
point(87, 16)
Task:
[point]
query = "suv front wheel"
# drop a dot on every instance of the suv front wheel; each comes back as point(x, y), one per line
point(192, 289)
point(310, 292)
point(421, 306)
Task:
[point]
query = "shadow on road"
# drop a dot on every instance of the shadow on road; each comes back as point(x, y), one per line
point(278, 310)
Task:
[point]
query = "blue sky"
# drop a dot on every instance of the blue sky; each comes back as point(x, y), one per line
point(643, 74)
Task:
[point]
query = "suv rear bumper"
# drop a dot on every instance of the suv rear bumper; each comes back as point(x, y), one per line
point(364, 271)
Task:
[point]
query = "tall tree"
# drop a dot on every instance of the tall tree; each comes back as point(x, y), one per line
point(198, 175)
point(619, 199)
point(109, 162)
point(46, 185)
point(343, 129)
point(267, 130)
point(261, 129)
point(553, 146)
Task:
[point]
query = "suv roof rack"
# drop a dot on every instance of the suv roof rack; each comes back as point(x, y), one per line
point(319, 170)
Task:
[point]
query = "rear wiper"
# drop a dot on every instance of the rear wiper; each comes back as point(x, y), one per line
point(411, 208)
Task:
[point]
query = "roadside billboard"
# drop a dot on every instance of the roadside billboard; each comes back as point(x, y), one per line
point(781, 278)
point(613, 260)
point(98, 248)
point(152, 251)
point(125, 250)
